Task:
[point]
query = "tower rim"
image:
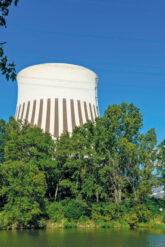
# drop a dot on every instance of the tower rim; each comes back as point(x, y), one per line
point(54, 68)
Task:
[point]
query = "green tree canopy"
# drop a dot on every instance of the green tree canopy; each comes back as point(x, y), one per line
point(23, 188)
point(161, 161)
point(103, 170)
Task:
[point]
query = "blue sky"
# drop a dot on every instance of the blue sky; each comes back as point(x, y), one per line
point(123, 41)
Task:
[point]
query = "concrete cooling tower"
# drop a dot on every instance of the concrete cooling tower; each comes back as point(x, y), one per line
point(57, 97)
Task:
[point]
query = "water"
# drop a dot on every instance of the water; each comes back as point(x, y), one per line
point(83, 238)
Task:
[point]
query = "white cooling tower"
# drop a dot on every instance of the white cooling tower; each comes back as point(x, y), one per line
point(57, 97)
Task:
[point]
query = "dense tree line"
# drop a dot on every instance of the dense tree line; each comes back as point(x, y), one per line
point(102, 173)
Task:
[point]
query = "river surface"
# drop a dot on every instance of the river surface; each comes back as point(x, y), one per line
point(83, 238)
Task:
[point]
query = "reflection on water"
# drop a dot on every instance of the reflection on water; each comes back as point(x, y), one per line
point(156, 240)
point(83, 238)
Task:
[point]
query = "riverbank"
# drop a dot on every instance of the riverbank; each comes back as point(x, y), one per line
point(66, 224)
point(91, 224)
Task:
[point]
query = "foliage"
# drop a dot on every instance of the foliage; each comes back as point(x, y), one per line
point(23, 189)
point(55, 211)
point(131, 219)
point(22, 143)
point(104, 211)
point(101, 175)
point(143, 213)
point(2, 138)
point(161, 161)
point(154, 205)
point(7, 69)
point(69, 224)
point(74, 209)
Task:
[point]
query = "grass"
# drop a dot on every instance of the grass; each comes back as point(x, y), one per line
point(90, 224)
point(65, 224)
point(155, 225)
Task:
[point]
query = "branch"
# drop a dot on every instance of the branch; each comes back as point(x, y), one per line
point(4, 9)
point(7, 69)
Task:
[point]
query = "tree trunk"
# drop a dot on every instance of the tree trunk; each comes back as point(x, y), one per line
point(97, 196)
point(56, 193)
point(117, 196)
point(117, 193)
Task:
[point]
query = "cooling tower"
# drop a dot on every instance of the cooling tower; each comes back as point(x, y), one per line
point(57, 97)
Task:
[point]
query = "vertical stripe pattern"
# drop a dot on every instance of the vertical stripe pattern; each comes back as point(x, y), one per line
point(27, 111)
point(33, 112)
point(56, 119)
point(19, 112)
point(16, 113)
point(94, 110)
point(72, 114)
point(65, 121)
point(40, 113)
point(47, 127)
point(90, 107)
point(22, 111)
point(86, 112)
point(56, 116)
point(97, 111)
point(79, 113)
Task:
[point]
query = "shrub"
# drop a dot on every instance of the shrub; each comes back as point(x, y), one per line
point(125, 225)
point(105, 225)
point(69, 224)
point(74, 209)
point(83, 219)
point(154, 205)
point(103, 211)
point(125, 207)
point(163, 218)
point(131, 219)
point(143, 213)
point(55, 211)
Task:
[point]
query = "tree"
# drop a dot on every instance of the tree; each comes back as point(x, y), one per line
point(22, 143)
point(23, 189)
point(7, 69)
point(161, 161)
point(108, 159)
point(127, 154)
point(2, 138)
point(77, 168)
point(104, 170)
